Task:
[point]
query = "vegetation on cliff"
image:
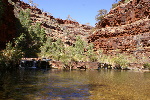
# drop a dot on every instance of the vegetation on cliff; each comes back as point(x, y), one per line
point(31, 41)
point(10, 57)
point(125, 29)
point(30, 38)
point(101, 14)
point(119, 2)
point(79, 51)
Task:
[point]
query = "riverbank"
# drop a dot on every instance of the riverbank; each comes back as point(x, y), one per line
point(96, 66)
point(74, 65)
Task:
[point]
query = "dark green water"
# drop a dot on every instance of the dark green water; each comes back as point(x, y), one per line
point(74, 85)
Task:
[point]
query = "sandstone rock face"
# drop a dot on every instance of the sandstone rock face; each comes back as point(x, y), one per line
point(126, 13)
point(126, 28)
point(56, 28)
point(7, 26)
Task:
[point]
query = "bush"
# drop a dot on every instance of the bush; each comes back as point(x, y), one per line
point(10, 57)
point(126, 1)
point(121, 60)
point(146, 66)
point(80, 51)
point(31, 37)
point(101, 14)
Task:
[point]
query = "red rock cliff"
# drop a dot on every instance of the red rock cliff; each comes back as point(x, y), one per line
point(126, 13)
point(55, 27)
point(7, 26)
point(67, 30)
point(126, 28)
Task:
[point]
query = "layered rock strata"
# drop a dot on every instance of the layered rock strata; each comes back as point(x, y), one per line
point(126, 13)
point(67, 30)
point(126, 28)
point(56, 28)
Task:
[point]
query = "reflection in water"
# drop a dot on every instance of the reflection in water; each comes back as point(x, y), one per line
point(86, 85)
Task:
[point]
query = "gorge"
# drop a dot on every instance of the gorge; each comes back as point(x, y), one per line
point(124, 30)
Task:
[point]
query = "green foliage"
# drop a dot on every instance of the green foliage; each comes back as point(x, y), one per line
point(121, 60)
point(31, 36)
point(101, 14)
point(119, 2)
point(80, 51)
point(146, 65)
point(52, 49)
point(24, 17)
point(79, 46)
point(10, 56)
point(126, 1)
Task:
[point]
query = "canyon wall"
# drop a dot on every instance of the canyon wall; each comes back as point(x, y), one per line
point(7, 25)
point(126, 13)
point(67, 30)
point(125, 28)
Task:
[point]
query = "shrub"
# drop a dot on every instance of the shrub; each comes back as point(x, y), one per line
point(121, 60)
point(31, 37)
point(126, 1)
point(146, 65)
point(10, 57)
point(80, 51)
point(101, 14)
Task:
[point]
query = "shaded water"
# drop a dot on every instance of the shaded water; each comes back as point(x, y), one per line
point(74, 85)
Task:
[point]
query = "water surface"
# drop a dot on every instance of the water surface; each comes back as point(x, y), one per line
point(74, 85)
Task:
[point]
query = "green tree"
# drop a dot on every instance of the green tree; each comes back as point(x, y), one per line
point(101, 14)
point(31, 36)
point(121, 60)
point(79, 45)
point(52, 49)
point(10, 57)
point(80, 51)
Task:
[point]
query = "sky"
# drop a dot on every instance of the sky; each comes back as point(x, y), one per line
point(83, 11)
